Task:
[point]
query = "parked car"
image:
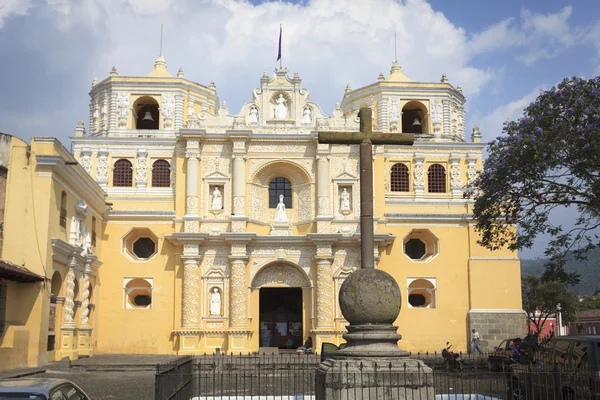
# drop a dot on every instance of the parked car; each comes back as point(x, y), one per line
point(567, 367)
point(500, 358)
point(40, 389)
point(327, 349)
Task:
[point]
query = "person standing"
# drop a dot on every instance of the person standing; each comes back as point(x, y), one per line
point(476, 342)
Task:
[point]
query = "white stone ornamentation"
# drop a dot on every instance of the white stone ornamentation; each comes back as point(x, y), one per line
point(85, 301)
point(419, 174)
point(394, 111)
point(191, 292)
point(238, 293)
point(86, 161)
point(472, 172)
point(123, 107)
point(455, 175)
point(70, 296)
point(102, 175)
point(437, 116)
point(141, 168)
point(191, 205)
point(281, 274)
point(324, 294)
point(167, 109)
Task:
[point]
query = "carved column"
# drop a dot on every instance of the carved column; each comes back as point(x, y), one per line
point(102, 171)
point(239, 169)
point(70, 295)
point(325, 303)
point(85, 301)
point(191, 292)
point(191, 216)
point(323, 185)
point(112, 110)
point(178, 111)
point(419, 179)
point(238, 293)
point(456, 182)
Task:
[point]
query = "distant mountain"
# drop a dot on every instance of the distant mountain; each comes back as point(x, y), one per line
point(588, 269)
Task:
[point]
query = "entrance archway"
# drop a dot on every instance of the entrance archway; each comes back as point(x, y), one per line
point(283, 291)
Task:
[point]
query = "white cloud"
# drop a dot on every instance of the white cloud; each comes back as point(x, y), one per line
point(536, 35)
point(232, 42)
point(9, 8)
point(492, 123)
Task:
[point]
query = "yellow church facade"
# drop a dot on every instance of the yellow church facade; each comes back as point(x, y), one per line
point(233, 231)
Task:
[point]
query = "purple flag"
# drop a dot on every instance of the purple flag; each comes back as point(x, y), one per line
point(279, 52)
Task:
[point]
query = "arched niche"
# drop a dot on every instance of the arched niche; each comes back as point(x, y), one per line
point(56, 284)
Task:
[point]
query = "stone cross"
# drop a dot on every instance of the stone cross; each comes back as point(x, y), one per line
point(366, 138)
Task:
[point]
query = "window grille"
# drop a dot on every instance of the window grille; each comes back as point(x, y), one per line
point(399, 178)
point(277, 187)
point(436, 182)
point(161, 174)
point(123, 174)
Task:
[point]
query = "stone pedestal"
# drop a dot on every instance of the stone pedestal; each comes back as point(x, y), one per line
point(281, 229)
point(372, 365)
point(387, 378)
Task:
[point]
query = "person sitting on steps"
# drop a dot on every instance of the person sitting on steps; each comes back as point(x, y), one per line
point(307, 347)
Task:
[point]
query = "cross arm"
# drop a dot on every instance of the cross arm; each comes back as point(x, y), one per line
point(358, 138)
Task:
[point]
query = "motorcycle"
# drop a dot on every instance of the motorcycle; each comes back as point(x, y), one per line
point(452, 360)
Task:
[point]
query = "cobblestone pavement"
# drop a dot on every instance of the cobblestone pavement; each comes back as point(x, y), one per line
point(102, 385)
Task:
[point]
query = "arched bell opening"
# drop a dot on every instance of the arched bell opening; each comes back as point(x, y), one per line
point(414, 118)
point(146, 113)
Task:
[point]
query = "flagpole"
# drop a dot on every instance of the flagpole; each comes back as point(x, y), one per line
point(280, 58)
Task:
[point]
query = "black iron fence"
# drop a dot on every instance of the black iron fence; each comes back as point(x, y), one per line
point(271, 377)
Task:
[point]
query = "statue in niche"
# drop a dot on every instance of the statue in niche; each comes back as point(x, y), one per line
point(253, 116)
point(217, 200)
point(280, 215)
point(307, 115)
point(215, 302)
point(281, 107)
point(345, 200)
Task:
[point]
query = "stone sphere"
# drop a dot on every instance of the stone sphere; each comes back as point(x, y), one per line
point(370, 296)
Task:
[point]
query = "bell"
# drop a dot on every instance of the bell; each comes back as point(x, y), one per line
point(417, 121)
point(148, 117)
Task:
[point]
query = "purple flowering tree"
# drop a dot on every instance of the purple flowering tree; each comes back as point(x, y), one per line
point(546, 161)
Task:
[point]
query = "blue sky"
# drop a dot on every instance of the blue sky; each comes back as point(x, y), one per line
point(501, 52)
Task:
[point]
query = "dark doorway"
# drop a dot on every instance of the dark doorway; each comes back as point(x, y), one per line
point(281, 317)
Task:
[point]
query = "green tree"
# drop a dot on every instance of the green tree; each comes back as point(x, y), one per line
point(541, 299)
point(547, 160)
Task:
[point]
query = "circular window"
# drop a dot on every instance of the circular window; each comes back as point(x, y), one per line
point(142, 300)
point(144, 247)
point(416, 300)
point(415, 249)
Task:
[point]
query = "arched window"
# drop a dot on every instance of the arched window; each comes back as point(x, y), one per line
point(94, 231)
point(399, 178)
point(63, 209)
point(436, 179)
point(277, 187)
point(123, 174)
point(161, 174)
